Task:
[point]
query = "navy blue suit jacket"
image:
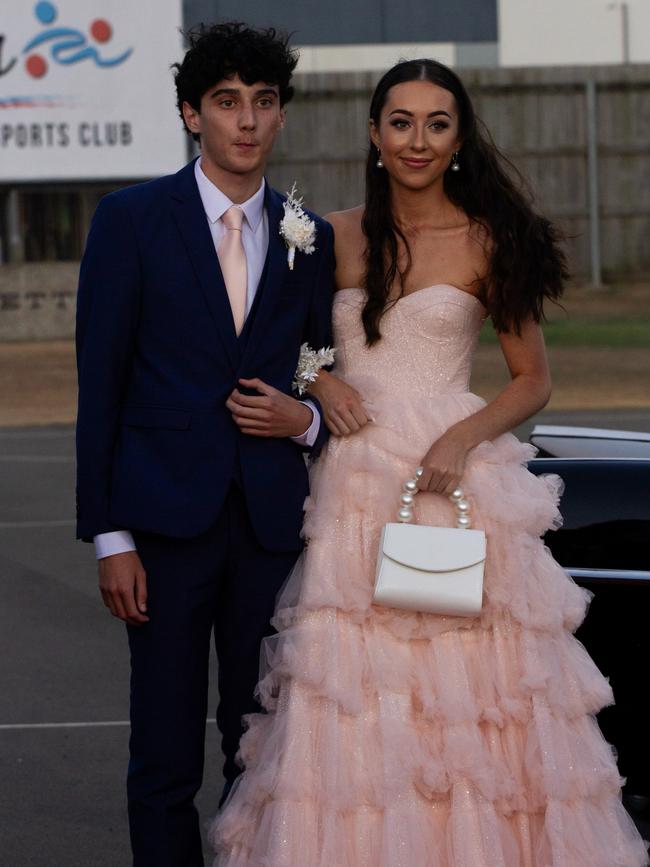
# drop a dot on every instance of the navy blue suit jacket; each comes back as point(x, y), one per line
point(158, 356)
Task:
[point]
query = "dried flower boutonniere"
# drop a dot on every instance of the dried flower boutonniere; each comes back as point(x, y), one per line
point(297, 229)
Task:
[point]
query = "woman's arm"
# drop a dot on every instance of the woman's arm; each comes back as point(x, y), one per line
point(527, 393)
point(342, 405)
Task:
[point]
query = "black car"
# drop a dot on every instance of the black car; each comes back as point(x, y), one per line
point(604, 544)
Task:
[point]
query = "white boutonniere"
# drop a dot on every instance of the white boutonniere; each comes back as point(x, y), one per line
point(298, 231)
point(309, 363)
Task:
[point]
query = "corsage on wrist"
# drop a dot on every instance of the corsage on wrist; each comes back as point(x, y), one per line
point(309, 363)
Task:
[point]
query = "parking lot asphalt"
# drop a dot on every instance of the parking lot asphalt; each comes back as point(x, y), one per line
point(64, 666)
point(64, 675)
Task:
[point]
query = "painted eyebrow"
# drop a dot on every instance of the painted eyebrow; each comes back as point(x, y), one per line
point(234, 91)
point(410, 113)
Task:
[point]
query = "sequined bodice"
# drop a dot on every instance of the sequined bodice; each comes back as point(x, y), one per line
point(428, 341)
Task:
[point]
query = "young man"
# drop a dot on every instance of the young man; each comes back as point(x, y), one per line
point(191, 477)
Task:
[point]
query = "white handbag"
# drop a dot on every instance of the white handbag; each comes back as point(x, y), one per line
point(437, 570)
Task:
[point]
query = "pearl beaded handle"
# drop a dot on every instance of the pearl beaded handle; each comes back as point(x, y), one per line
point(457, 497)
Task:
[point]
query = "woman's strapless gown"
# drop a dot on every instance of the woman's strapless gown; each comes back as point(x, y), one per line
point(398, 739)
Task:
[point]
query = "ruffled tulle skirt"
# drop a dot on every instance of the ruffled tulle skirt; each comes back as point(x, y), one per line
point(398, 739)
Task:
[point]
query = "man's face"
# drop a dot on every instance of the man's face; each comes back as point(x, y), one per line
point(238, 124)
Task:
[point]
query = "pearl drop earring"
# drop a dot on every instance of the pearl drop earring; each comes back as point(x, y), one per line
point(455, 165)
point(380, 165)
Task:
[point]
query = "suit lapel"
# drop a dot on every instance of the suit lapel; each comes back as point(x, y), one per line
point(274, 273)
point(192, 224)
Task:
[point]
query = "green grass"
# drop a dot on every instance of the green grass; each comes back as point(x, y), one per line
point(613, 333)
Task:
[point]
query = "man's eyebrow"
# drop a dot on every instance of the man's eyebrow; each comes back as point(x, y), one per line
point(410, 113)
point(231, 91)
point(234, 91)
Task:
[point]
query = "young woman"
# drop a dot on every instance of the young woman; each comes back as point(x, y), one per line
point(396, 738)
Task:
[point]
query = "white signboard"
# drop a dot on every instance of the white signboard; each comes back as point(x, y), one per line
point(86, 90)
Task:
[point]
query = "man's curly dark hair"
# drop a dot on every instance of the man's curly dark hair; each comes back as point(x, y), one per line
point(232, 48)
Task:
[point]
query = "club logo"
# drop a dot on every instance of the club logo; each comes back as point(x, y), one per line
point(65, 46)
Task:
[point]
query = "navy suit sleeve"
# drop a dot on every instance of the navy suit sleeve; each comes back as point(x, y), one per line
point(107, 314)
point(318, 332)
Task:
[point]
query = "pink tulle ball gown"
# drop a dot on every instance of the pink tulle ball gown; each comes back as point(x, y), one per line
point(397, 739)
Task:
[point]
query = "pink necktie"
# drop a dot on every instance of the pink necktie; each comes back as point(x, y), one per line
point(233, 265)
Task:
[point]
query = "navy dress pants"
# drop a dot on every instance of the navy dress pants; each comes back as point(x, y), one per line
point(222, 582)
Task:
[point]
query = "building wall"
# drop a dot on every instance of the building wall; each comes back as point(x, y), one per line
point(339, 36)
point(514, 32)
point(343, 58)
point(339, 22)
point(534, 33)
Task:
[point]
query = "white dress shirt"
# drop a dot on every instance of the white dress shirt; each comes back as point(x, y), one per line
point(255, 238)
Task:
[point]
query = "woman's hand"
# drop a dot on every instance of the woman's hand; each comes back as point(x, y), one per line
point(341, 404)
point(444, 464)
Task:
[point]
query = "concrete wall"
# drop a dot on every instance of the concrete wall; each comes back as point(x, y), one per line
point(370, 57)
point(582, 31)
point(37, 301)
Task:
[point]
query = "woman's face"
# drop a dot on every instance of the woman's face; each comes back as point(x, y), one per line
point(417, 133)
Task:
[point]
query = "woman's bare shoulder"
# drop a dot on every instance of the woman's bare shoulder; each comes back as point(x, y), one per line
point(348, 246)
point(346, 221)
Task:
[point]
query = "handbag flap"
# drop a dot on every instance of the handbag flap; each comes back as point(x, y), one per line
point(433, 549)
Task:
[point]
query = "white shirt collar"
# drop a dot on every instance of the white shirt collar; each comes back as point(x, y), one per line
point(216, 203)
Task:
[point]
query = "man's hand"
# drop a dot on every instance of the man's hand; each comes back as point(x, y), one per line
point(123, 585)
point(269, 414)
point(342, 405)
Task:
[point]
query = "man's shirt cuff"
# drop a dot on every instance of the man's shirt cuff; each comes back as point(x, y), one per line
point(117, 542)
point(308, 438)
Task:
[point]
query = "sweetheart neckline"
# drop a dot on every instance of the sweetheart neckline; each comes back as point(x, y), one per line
point(423, 289)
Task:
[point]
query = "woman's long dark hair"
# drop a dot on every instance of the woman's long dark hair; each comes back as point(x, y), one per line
point(526, 263)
